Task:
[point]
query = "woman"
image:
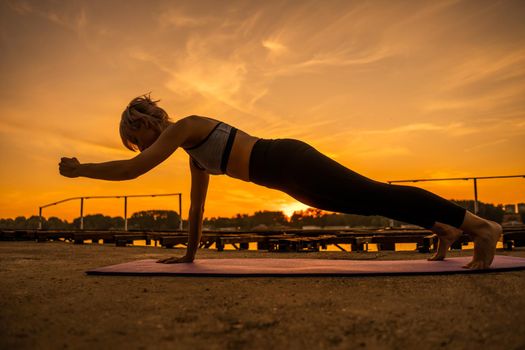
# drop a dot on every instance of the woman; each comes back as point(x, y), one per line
point(289, 165)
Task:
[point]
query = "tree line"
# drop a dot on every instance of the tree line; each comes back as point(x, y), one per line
point(158, 220)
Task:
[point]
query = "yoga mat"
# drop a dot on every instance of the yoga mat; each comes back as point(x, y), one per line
point(304, 267)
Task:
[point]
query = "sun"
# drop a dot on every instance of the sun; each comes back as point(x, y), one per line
point(289, 209)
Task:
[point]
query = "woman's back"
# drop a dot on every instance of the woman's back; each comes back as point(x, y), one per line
point(202, 128)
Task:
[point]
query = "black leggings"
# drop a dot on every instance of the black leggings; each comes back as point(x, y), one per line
point(298, 169)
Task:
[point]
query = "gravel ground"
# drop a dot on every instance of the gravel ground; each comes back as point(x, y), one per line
point(48, 302)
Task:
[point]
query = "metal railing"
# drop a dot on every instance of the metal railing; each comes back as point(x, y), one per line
point(125, 206)
point(476, 178)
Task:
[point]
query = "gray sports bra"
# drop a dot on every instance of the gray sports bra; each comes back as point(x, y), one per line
point(213, 152)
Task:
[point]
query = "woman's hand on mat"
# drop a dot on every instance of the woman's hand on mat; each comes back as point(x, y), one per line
point(69, 167)
point(175, 260)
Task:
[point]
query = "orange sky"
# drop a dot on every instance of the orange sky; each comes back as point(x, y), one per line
point(392, 90)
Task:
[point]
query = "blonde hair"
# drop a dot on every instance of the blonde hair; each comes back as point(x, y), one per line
point(143, 110)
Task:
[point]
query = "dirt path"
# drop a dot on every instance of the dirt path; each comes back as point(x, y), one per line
point(47, 302)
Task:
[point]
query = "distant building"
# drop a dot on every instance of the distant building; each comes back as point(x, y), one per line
point(510, 208)
point(511, 217)
point(311, 227)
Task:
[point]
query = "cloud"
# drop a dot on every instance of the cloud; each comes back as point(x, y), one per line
point(231, 61)
point(51, 137)
point(381, 152)
point(274, 47)
point(455, 129)
point(20, 7)
point(486, 144)
point(485, 67)
point(75, 20)
point(177, 18)
point(76, 23)
point(203, 67)
point(490, 83)
point(329, 59)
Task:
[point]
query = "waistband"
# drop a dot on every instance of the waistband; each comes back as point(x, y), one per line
point(256, 156)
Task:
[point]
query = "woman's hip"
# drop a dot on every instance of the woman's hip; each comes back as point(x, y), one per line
point(272, 161)
point(287, 164)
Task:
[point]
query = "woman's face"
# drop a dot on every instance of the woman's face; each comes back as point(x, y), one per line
point(143, 137)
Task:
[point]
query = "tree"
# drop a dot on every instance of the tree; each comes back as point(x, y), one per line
point(20, 222)
point(54, 223)
point(94, 222)
point(154, 220)
point(485, 210)
point(269, 218)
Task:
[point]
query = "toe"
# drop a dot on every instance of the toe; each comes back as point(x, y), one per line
point(435, 258)
point(478, 265)
point(469, 265)
point(483, 265)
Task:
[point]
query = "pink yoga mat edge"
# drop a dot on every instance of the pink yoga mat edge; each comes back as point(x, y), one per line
point(283, 267)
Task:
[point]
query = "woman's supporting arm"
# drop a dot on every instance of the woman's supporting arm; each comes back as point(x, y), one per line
point(195, 232)
point(199, 187)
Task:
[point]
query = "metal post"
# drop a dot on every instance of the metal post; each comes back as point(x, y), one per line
point(81, 213)
point(475, 195)
point(39, 218)
point(125, 213)
point(391, 221)
point(180, 211)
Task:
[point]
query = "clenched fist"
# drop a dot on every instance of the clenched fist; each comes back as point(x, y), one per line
point(69, 167)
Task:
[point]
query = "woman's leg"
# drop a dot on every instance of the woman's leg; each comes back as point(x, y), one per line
point(319, 181)
point(447, 235)
point(484, 233)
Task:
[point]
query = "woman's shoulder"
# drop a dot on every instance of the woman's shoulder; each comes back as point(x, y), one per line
point(199, 127)
point(199, 123)
point(202, 118)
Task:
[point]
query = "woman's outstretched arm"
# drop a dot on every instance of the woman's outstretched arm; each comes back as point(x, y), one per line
point(117, 170)
point(127, 169)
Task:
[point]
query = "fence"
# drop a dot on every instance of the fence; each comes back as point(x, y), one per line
point(125, 206)
point(466, 179)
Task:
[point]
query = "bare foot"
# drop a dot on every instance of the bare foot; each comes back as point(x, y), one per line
point(447, 235)
point(485, 237)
